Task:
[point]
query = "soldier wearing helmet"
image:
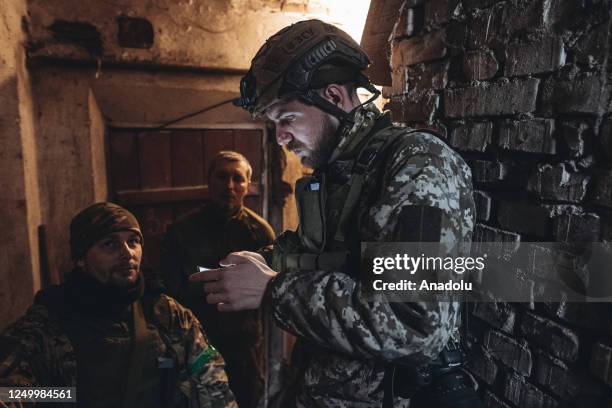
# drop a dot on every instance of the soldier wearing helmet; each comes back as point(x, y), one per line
point(373, 182)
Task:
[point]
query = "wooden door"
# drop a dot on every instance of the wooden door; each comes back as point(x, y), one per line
point(161, 175)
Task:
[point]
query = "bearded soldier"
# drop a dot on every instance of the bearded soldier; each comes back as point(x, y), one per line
point(120, 342)
point(372, 182)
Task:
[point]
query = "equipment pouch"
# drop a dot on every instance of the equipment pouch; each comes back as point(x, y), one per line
point(310, 199)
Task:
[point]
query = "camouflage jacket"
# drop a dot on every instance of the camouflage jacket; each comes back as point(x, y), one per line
point(36, 351)
point(345, 341)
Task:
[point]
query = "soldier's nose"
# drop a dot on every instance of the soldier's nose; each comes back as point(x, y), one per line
point(282, 137)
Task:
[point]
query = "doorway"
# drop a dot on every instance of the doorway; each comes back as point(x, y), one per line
point(162, 175)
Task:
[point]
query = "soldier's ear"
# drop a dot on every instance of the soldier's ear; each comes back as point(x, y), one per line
point(334, 94)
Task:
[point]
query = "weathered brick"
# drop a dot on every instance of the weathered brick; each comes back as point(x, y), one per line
point(544, 55)
point(564, 12)
point(605, 137)
point(483, 234)
point(574, 135)
point(472, 136)
point(603, 188)
point(484, 27)
point(494, 26)
point(585, 94)
point(473, 4)
point(492, 401)
point(531, 136)
point(428, 76)
point(439, 11)
point(488, 172)
point(525, 395)
point(480, 65)
point(590, 46)
point(409, 22)
point(577, 228)
point(414, 107)
point(423, 48)
point(509, 351)
point(592, 315)
point(476, 330)
point(601, 362)
point(387, 92)
point(519, 16)
point(539, 262)
point(456, 34)
point(559, 340)
point(483, 205)
point(524, 218)
point(499, 98)
point(437, 127)
point(500, 315)
point(607, 229)
point(399, 80)
point(482, 365)
point(568, 385)
point(558, 182)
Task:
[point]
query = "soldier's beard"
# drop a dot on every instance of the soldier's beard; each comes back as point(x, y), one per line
point(326, 141)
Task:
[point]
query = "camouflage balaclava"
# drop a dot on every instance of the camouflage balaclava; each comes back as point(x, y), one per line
point(96, 221)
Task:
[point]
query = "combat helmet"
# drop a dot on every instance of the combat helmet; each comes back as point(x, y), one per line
point(298, 59)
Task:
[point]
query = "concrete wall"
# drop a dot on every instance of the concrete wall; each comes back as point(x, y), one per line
point(19, 260)
point(521, 89)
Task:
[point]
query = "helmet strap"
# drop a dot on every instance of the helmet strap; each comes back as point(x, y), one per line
point(345, 118)
point(326, 106)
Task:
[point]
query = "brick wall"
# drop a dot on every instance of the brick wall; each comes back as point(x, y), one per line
point(522, 90)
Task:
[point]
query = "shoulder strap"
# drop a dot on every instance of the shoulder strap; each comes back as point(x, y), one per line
point(366, 160)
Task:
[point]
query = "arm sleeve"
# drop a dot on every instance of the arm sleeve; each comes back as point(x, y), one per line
point(327, 307)
point(15, 368)
point(207, 384)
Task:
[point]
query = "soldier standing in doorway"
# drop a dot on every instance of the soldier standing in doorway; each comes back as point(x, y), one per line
point(203, 238)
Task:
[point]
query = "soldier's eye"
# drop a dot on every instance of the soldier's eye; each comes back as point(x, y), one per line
point(134, 242)
point(110, 244)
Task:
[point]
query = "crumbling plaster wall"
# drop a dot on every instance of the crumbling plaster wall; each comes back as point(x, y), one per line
point(19, 200)
point(70, 150)
point(212, 34)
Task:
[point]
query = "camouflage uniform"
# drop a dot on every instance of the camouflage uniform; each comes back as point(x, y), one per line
point(38, 351)
point(345, 341)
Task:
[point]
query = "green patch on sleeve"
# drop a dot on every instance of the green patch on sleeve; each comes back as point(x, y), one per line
point(200, 361)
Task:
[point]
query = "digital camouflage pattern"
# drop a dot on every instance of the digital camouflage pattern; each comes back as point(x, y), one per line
point(344, 340)
point(35, 351)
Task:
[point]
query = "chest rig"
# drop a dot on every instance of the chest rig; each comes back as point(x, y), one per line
point(330, 209)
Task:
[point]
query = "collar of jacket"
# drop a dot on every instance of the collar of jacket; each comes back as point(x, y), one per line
point(368, 121)
point(214, 211)
point(88, 295)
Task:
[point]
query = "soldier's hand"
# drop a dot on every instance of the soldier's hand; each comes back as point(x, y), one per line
point(239, 284)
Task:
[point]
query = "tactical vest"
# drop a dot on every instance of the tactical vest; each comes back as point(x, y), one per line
point(329, 236)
